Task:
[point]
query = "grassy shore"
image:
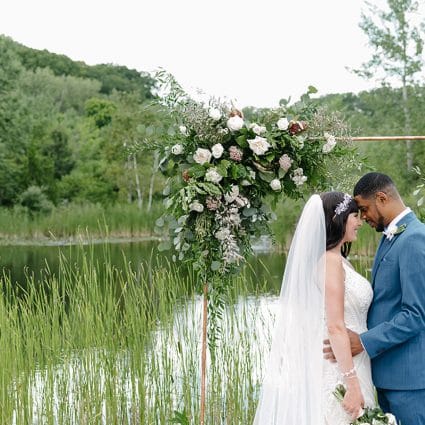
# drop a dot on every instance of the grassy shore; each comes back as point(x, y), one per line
point(76, 222)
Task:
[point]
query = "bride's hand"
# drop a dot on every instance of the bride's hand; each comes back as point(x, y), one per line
point(353, 401)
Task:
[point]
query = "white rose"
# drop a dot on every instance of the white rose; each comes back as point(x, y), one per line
point(285, 162)
point(235, 123)
point(330, 138)
point(330, 142)
point(259, 145)
point(275, 184)
point(213, 176)
point(326, 148)
point(202, 156)
point(177, 149)
point(196, 206)
point(183, 130)
point(258, 129)
point(232, 195)
point(283, 124)
point(217, 150)
point(214, 113)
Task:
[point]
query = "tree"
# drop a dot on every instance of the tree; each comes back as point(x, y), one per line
point(397, 38)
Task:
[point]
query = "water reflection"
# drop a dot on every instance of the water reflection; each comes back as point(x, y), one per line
point(19, 262)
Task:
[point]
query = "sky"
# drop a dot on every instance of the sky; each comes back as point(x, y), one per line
point(252, 52)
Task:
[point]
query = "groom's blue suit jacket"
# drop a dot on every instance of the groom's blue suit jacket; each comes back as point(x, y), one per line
point(395, 340)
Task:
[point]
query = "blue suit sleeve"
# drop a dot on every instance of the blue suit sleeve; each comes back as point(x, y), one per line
point(410, 320)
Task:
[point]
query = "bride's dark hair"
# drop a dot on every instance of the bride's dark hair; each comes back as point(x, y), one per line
point(336, 223)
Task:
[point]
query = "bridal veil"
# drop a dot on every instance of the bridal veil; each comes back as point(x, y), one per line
point(291, 393)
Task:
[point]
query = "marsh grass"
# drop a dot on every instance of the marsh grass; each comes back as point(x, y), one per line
point(90, 343)
point(74, 220)
point(93, 344)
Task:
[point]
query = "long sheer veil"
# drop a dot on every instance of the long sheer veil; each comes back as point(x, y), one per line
point(292, 388)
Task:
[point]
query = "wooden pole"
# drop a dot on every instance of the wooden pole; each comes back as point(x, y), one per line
point(204, 353)
point(385, 138)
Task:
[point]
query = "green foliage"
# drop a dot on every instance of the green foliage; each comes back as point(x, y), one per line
point(35, 201)
point(101, 110)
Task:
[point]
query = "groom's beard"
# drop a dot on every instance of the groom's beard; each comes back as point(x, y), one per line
point(380, 226)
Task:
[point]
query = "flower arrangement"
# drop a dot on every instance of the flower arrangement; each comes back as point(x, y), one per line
point(369, 416)
point(222, 169)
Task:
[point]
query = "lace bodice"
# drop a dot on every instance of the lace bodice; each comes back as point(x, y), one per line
point(357, 299)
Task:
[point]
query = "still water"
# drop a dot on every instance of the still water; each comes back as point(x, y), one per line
point(19, 262)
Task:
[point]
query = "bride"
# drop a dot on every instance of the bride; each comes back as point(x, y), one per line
point(321, 297)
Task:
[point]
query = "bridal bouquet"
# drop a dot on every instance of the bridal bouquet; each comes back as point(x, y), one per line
point(222, 168)
point(370, 416)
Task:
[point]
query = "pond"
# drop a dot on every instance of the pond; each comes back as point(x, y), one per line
point(22, 261)
point(102, 344)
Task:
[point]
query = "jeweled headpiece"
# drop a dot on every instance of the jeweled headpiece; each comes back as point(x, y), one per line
point(343, 205)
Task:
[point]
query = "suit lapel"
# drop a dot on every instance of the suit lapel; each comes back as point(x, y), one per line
point(385, 245)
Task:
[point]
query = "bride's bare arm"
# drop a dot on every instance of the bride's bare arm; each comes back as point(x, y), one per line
point(338, 335)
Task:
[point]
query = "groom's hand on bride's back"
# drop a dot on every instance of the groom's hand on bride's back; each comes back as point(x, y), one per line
point(356, 346)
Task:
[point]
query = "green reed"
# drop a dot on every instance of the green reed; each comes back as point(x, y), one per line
point(92, 344)
point(121, 220)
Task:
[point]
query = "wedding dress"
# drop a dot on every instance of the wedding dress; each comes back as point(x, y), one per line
point(298, 383)
point(357, 298)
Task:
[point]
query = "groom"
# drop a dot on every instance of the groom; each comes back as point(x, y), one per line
point(395, 341)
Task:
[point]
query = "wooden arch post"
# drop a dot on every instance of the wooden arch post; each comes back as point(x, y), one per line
point(204, 353)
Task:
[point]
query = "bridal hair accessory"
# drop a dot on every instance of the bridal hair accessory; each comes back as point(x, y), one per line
point(343, 205)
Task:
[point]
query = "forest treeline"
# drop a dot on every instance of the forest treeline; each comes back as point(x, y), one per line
point(65, 129)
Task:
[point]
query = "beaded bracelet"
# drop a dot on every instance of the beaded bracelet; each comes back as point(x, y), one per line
point(349, 374)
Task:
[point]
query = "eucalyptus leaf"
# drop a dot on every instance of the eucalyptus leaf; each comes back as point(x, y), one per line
point(249, 212)
point(159, 222)
point(215, 265)
point(267, 176)
point(164, 246)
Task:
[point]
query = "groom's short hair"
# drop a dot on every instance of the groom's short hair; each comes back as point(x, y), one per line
point(371, 183)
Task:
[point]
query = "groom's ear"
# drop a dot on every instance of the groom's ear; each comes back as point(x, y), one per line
point(381, 197)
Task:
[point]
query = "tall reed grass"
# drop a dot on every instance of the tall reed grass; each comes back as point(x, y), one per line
point(91, 344)
point(120, 220)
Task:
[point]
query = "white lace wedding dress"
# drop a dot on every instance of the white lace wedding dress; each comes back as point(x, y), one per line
point(358, 296)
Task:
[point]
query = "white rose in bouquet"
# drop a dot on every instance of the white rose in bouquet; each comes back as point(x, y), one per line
point(259, 145)
point(213, 176)
point(217, 150)
point(214, 113)
point(235, 123)
point(330, 143)
point(285, 162)
point(283, 124)
point(229, 197)
point(258, 129)
point(196, 206)
point(276, 185)
point(202, 156)
point(177, 149)
point(183, 130)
